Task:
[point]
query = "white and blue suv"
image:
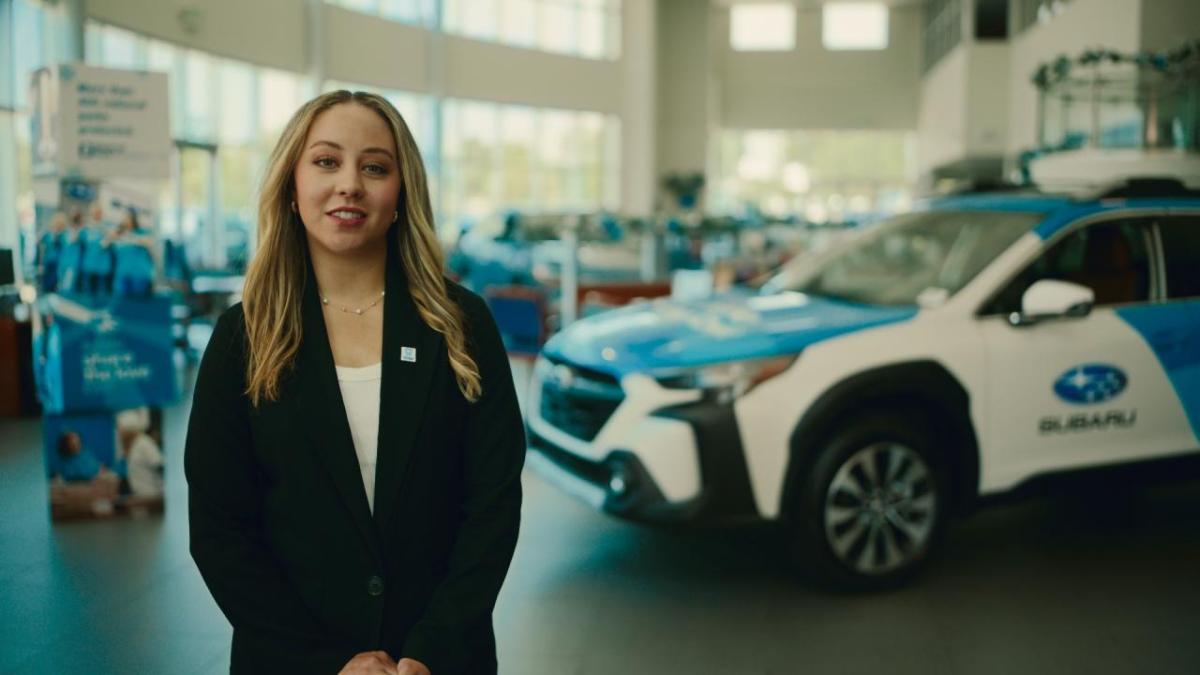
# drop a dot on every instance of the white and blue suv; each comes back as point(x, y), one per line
point(862, 397)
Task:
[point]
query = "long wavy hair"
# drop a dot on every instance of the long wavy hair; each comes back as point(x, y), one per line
point(276, 276)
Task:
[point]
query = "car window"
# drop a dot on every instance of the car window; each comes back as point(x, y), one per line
point(908, 256)
point(1181, 248)
point(1109, 258)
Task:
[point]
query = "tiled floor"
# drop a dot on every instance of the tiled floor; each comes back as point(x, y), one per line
point(1096, 582)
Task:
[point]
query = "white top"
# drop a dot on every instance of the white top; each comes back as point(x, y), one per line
point(360, 395)
point(145, 464)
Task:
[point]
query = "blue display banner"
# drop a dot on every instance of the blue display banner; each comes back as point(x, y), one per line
point(105, 354)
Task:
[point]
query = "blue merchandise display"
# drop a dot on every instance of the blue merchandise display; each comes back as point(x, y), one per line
point(105, 353)
point(104, 345)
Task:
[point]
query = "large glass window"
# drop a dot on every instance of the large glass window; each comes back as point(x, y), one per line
point(499, 158)
point(585, 28)
point(519, 23)
point(762, 27)
point(816, 175)
point(405, 11)
point(39, 38)
point(1030, 12)
point(416, 109)
point(225, 139)
point(855, 25)
point(33, 35)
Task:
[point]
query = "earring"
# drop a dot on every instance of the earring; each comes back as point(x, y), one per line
point(395, 216)
point(294, 210)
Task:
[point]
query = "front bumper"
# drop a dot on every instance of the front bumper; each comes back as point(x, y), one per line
point(662, 456)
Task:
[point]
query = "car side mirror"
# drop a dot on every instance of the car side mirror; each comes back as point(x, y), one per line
point(1053, 299)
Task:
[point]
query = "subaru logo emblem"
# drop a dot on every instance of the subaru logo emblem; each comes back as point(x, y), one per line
point(1090, 383)
point(562, 376)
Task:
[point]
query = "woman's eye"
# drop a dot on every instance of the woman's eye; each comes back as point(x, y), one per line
point(325, 162)
point(377, 169)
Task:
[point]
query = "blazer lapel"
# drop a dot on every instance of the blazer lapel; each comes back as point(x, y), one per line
point(411, 351)
point(322, 414)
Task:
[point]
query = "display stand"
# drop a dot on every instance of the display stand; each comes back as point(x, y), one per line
point(104, 353)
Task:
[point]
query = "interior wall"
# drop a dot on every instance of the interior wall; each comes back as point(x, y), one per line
point(387, 54)
point(942, 117)
point(1167, 24)
point(496, 72)
point(987, 98)
point(811, 87)
point(266, 32)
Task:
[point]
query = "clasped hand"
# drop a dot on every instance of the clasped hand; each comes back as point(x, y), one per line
point(379, 663)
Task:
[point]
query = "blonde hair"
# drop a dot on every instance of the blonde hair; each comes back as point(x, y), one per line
point(276, 276)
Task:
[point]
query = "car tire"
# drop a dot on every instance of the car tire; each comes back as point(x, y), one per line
point(871, 506)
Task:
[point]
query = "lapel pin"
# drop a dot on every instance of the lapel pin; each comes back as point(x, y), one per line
point(408, 354)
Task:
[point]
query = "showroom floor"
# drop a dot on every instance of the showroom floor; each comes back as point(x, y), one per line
point(1089, 582)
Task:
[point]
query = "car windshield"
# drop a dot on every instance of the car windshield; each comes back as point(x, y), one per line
point(916, 258)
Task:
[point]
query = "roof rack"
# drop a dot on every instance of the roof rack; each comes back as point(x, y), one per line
point(1145, 187)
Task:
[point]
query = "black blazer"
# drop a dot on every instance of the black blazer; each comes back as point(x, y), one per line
point(280, 525)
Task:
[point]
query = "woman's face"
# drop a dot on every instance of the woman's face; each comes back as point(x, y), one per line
point(348, 180)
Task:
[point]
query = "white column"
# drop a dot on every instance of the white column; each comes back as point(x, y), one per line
point(639, 107)
point(687, 99)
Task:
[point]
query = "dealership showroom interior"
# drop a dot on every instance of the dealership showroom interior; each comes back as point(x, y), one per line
point(579, 337)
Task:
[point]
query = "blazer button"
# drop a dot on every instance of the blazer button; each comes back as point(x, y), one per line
point(375, 586)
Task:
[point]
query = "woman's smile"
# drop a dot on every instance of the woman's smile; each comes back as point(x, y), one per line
point(348, 217)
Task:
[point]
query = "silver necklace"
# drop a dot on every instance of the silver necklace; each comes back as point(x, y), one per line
point(358, 310)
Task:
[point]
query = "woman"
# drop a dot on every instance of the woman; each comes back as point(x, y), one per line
point(97, 263)
point(134, 247)
point(355, 447)
point(49, 250)
point(70, 257)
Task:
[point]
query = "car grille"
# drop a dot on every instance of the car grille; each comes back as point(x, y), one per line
point(579, 401)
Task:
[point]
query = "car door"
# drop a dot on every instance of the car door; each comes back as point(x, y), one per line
point(1171, 327)
point(1081, 390)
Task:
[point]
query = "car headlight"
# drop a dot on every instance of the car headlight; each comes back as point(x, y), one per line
point(735, 377)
